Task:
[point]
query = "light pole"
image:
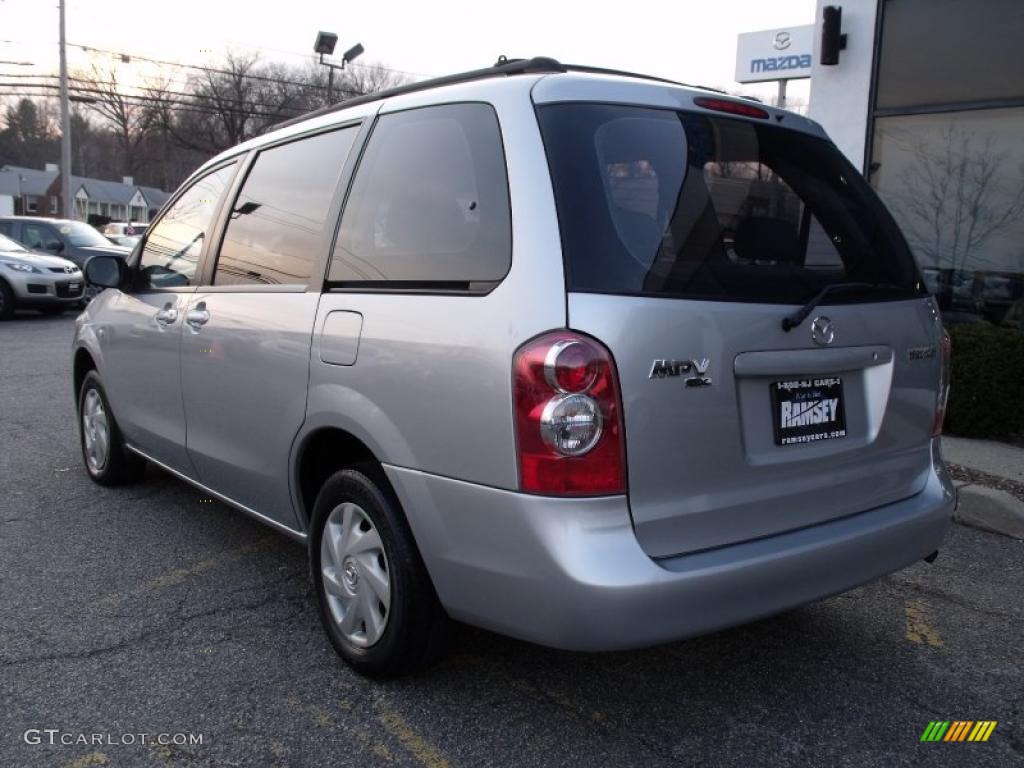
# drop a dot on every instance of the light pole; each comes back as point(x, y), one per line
point(324, 45)
point(65, 126)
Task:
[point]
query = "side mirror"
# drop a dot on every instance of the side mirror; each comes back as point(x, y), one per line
point(56, 246)
point(106, 271)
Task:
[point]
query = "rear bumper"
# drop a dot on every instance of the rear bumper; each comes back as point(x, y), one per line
point(569, 573)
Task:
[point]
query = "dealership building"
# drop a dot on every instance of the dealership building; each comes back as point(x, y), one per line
point(927, 99)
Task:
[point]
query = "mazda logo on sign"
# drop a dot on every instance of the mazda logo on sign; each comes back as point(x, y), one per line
point(822, 331)
point(781, 41)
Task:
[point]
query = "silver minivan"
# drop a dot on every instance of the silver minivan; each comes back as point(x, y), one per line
point(587, 358)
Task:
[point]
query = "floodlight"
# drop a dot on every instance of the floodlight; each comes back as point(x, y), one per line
point(325, 42)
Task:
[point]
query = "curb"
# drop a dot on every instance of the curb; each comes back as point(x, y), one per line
point(991, 510)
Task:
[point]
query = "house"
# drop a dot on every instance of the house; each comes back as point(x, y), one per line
point(112, 200)
point(29, 191)
point(23, 191)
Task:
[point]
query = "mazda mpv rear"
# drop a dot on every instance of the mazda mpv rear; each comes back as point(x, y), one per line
point(593, 360)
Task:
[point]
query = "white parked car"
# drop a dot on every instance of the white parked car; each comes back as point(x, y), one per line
point(39, 281)
point(124, 229)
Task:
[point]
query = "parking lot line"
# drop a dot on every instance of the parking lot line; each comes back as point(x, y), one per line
point(426, 754)
point(918, 629)
point(178, 575)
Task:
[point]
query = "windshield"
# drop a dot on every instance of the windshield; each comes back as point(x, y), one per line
point(663, 203)
point(81, 235)
point(6, 244)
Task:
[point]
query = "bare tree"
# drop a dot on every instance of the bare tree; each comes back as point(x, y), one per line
point(159, 131)
point(224, 105)
point(956, 194)
point(361, 79)
point(356, 80)
point(130, 120)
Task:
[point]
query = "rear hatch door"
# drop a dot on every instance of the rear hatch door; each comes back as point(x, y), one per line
point(688, 237)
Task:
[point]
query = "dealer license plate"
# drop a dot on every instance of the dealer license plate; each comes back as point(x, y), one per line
point(808, 410)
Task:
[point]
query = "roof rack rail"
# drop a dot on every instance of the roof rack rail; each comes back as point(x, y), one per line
point(622, 73)
point(501, 68)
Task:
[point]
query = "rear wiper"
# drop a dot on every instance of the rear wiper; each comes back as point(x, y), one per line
point(789, 322)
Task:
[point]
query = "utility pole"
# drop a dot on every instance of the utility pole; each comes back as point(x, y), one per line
point(780, 102)
point(67, 204)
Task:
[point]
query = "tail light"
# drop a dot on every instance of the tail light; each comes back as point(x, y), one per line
point(568, 417)
point(943, 396)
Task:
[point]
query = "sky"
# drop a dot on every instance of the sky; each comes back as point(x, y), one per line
point(694, 42)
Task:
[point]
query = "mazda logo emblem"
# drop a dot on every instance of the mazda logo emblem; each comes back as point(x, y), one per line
point(781, 41)
point(822, 331)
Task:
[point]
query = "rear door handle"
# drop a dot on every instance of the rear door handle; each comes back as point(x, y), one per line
point(197, 317)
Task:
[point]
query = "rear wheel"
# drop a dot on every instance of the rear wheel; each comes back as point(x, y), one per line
point(375, 597)
point(107, 460)
point(6, 301)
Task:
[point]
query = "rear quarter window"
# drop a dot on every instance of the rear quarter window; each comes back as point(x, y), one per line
point(429, 203)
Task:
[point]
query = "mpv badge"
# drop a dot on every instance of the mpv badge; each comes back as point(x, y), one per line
point(694, 372)
point(822, 331)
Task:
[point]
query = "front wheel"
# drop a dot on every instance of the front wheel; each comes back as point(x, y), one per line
point(375, 598)
point(107, 460)
point(6, 301)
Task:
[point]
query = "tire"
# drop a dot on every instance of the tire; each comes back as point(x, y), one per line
point(113, 465)
point(388, 636)
point(53, 311)
point(6, 301)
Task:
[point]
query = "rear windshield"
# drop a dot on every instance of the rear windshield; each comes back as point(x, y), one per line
point(661, 203)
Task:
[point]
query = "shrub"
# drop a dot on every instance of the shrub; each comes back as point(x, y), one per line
point(986, 396)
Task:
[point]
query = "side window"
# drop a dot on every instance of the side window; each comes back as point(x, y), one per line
point(39, 237)
point(6, 228)
point(171, 254)
point(429, 202)
point(278, 219)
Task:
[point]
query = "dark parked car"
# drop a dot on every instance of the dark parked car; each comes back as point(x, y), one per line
point(72, 240)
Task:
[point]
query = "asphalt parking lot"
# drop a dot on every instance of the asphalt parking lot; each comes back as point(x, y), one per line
point(150, 610)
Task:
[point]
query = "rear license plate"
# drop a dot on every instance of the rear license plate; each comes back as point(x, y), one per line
point(808, 410)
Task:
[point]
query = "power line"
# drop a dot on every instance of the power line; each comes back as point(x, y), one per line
point(148, 92)
point(149, 98)
point(123, 54)
point(350, 64)
point(153, 101)
point(201, 68)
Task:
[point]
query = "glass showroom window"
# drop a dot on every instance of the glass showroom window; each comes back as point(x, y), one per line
point(955, 184)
